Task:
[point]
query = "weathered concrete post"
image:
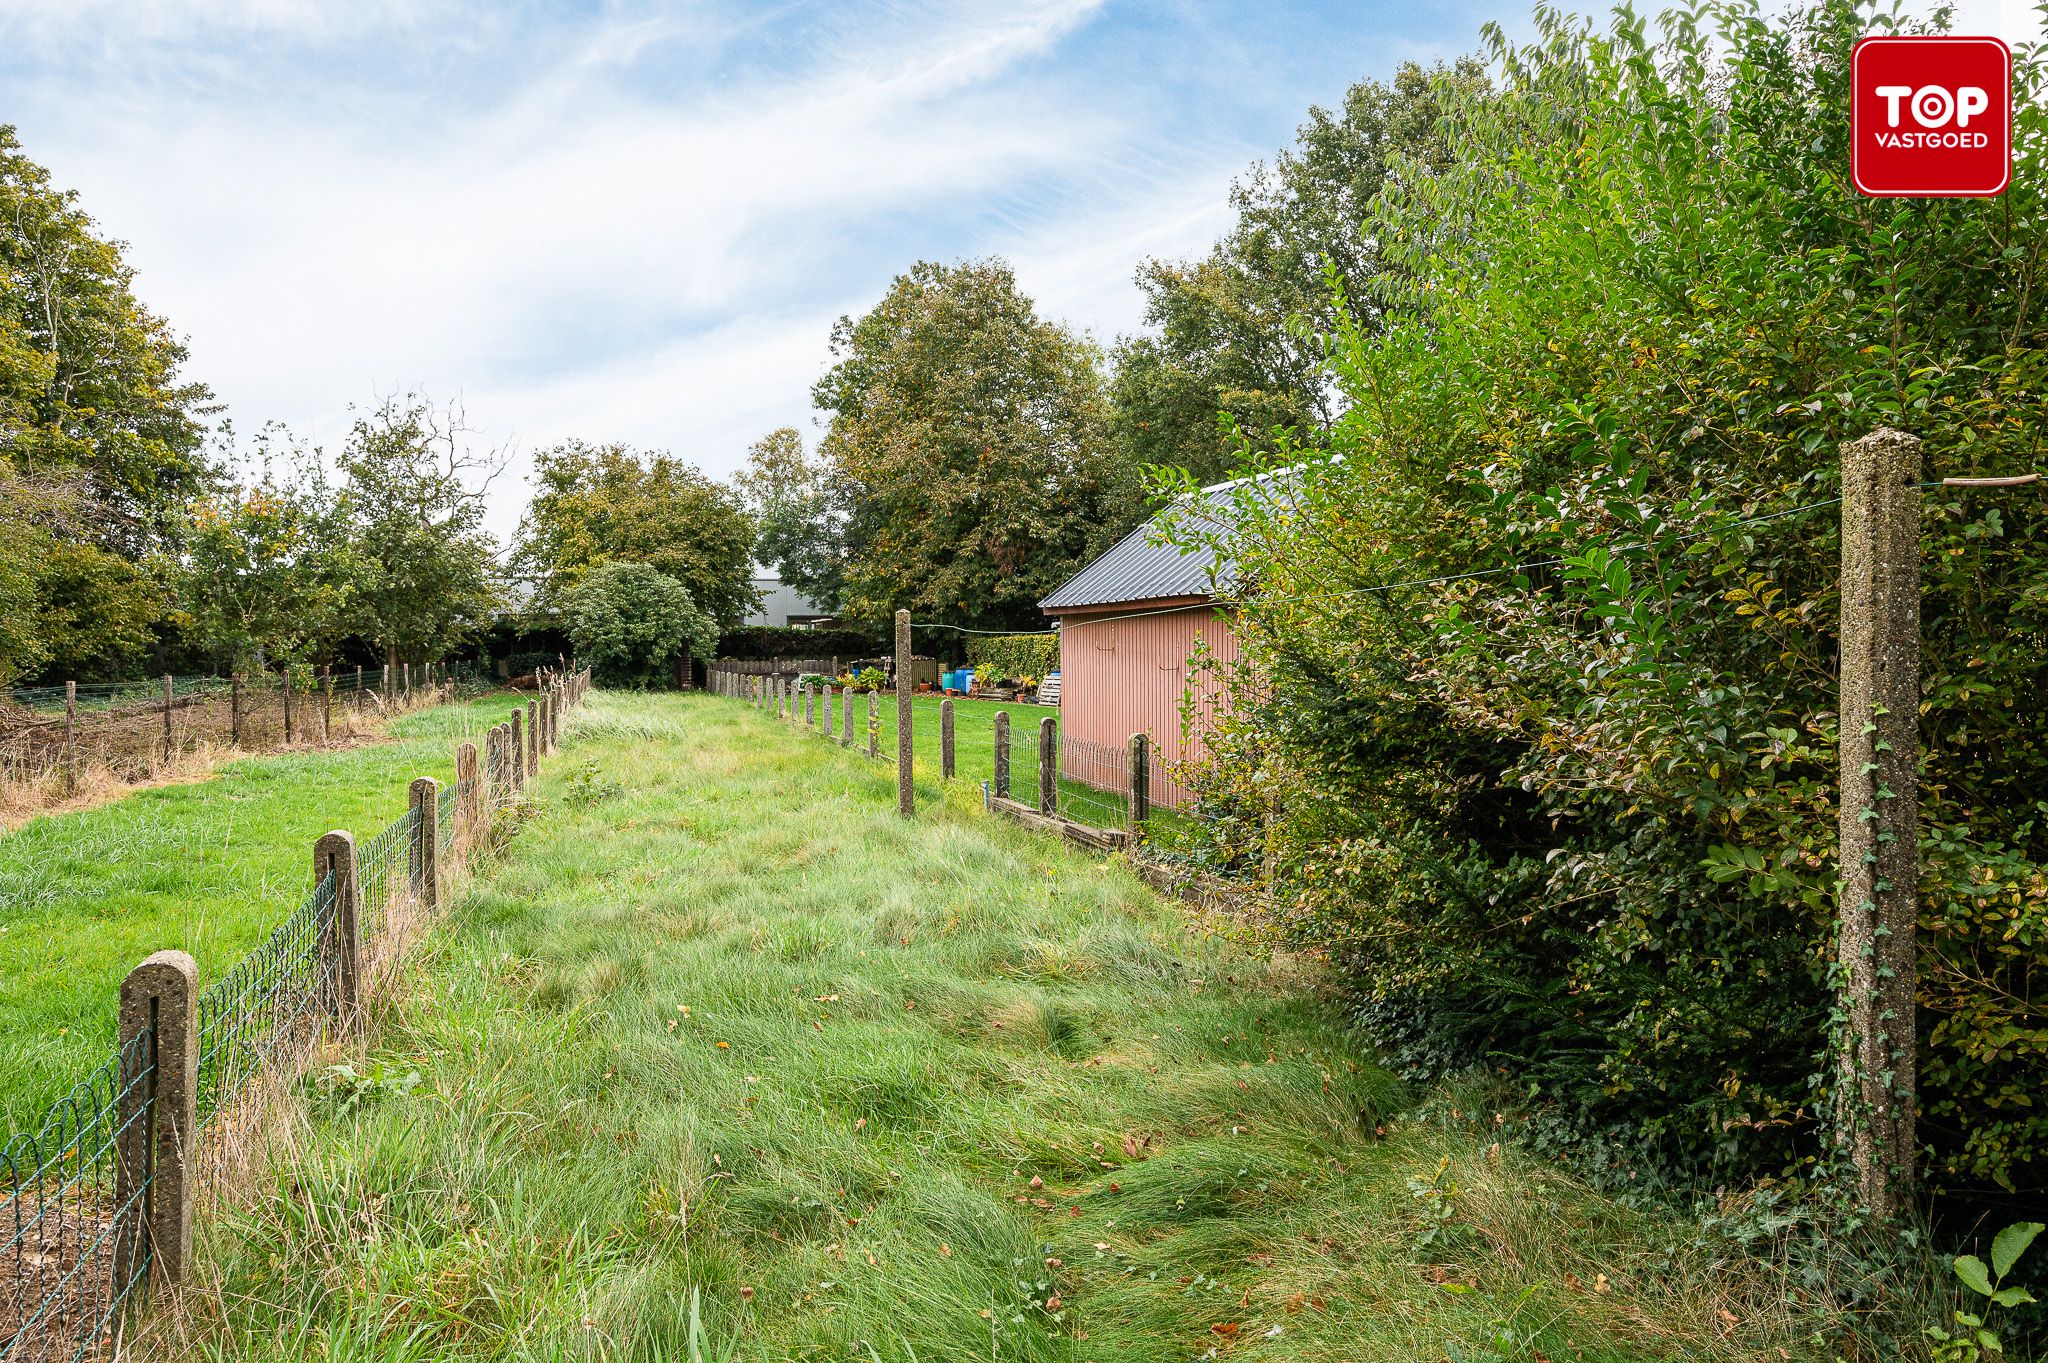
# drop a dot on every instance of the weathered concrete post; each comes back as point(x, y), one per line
point(1878, 813)
point(532, 738)
point(810, 700)
point(425, 853)
point(170, 742)
point(340, 934)
point(1001, 784)
point(946, 738)
point(359, 688)
point(826, 705)
point(326, 704)
point(71, 738)
point(874, 723)
point(284, 678)
point(906, 797)
point(517, 753)
point(235, 709)
point(846, 716)
point(468, 819)
point(154, 1174)
point(1048, 766)
point(1140, 808)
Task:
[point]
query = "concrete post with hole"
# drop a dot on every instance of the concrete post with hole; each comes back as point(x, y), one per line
point(906, 796)
point(155, 1172)
point(340, 933)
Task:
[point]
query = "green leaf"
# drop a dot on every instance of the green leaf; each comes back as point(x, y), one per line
point(2010, 1244)
point(1971, 1270)
point(2012, 1296)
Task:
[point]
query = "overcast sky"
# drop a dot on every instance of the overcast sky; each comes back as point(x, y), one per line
point(638, 222)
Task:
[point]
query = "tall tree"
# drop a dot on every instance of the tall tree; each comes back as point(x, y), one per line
point(88, 376)
point(1242, 330)
point(423, 571)
point(970, 442)
point(799, 519)
point(598, 504)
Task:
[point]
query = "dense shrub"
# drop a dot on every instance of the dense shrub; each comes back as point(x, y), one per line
point(1015, 656)
point(1571, 805)
point(770, 641)
point(631, 622)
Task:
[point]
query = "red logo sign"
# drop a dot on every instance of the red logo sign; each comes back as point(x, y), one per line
point(1931, 117)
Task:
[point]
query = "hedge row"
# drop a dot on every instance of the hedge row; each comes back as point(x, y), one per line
point(1015, 656)
point(769, 641)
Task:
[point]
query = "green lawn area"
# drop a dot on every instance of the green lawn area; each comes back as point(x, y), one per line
point(209, 866)
point(723, 1059)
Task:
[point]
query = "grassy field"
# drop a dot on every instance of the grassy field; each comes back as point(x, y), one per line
point(724, 1060)
point(210, 866)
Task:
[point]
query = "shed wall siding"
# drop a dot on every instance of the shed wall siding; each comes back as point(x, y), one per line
point(1127, 676)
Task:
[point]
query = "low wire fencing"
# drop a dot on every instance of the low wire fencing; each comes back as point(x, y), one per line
point(97, 1201)
point(56, 740)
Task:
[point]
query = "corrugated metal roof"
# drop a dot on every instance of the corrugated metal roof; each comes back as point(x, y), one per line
point(1141, 568)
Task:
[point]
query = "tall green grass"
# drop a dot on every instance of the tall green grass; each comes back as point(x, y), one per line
point(209, 866)
point(724, 1059)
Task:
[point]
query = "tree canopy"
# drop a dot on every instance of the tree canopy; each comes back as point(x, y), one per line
point(632, 623)
point(597, 504)
point(969, 446)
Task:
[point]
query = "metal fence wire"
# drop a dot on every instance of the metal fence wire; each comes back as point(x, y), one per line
point(70, 1249)
point(268, 1004)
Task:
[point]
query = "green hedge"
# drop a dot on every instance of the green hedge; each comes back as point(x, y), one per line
point(769, 641)
point(1015, 656)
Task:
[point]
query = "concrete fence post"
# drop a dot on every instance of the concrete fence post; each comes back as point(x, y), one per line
point(284, 679)
point(532, 738)
point(154, 1176)
point(466, 803)
point(1140, 807)
point(1048, 765)
point(384, 688)
point(906, 796)
point(425, 853)
point(340, 933)
point(1001, 782)
point(874, 724)
point(516, 754)
point(170, 741)
point(71, 738)
point(359, 688)
point(326, 704)
point(235, 709)
point(946, 738)
point(825, 705)
point(846, 716)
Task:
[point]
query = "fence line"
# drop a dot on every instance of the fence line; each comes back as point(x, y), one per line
point(52, 737)
point(97, 1202)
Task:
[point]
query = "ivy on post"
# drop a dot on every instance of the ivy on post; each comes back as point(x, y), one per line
point(424, 855)
point(1001, 784)
point(906, 796)
point(158, 1027)
point(340, 939)
point(1875, 950)
point(1048, 766)
point(1140, 808)
point(946, 738)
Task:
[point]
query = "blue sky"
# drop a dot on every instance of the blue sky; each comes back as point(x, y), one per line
point(637, 222)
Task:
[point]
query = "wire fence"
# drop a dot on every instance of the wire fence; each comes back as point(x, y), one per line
point(55, 741)
point(82, 1196)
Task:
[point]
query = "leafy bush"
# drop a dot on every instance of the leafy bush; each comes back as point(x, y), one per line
point(631, 622)
point(1579, 816)
point(769, 641)
point(1014, 655)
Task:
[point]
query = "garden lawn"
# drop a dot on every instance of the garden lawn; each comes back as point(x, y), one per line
point(209, 866)
point(724, 1059)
